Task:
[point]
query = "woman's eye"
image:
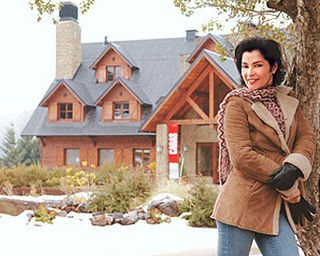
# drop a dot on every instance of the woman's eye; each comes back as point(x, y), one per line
point(244, 66)
point(258, 65)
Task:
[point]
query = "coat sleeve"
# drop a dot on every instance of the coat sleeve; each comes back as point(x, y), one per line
point(304, 146)
point(242, 155)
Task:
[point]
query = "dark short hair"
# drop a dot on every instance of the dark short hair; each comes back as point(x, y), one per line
point(269, 49)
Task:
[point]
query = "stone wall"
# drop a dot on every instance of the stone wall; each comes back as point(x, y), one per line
point(190, 136)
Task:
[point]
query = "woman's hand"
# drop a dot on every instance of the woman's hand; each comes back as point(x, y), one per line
point(302, 209)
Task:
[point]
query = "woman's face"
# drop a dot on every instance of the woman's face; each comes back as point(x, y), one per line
point(256, 71)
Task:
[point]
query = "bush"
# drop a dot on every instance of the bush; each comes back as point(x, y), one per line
point(22, 176)
point(200, 202)
point(124, 189)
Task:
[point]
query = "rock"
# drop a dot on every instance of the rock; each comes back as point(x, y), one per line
point(101, 219)
point(61, 213)
point(143, 215)
point(82, 207)
point(110, 220)
point(117, 216)
point(130, 218)
point(166, 205)
point(15, 207)
point(162, 196)
point(150, 221)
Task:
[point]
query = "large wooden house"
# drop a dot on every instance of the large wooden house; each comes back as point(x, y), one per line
point(112, 102)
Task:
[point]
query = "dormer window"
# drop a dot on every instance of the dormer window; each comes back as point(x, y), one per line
point(65, 111)
point(121, 110)
point(113, 72)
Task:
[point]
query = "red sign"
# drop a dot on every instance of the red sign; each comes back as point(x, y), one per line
point(173, 143)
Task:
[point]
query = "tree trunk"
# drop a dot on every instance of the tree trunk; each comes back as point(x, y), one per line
point(308, 91)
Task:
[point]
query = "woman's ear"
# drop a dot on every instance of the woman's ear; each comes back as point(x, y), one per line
point(274, 68)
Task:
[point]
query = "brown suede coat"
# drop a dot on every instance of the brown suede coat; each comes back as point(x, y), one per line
point(256, 148)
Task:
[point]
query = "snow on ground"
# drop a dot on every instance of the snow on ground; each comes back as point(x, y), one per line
point(74, 235)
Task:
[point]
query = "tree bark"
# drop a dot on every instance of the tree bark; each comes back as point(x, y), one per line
point(287, 6)
point(308, 90)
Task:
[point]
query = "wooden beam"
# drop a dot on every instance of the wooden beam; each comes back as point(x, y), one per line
point(42, 140)
point(224, 79)
point(153, 140)
point(183, 97)
point(191, 121)
point(196, 108)
point(211, 95)
point(94, 140)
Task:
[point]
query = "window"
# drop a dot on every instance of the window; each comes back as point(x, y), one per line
point(106, 156)
point(121, 110)
point(141, 157)
point(207, 159)
point(72, 156)
point(113, 72)
point(65, 111)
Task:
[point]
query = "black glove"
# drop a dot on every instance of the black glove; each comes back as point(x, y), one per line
point(284, 177)
point(303, 208)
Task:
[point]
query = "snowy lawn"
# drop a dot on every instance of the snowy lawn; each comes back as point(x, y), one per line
point(74, 235)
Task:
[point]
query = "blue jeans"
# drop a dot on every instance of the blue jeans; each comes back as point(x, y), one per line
point(234, 241)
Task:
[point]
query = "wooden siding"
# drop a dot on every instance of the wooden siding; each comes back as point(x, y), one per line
point(120, 94)
point(53, 151)
point(209, 44)
point(112, 58)
point(63, 95)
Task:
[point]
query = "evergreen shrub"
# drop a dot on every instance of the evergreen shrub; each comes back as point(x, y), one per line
point(200, 201)
point(123, 189)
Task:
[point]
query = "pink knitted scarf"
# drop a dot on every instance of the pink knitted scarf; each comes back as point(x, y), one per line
point(267, 96)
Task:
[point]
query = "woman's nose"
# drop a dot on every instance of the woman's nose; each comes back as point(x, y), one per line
point(250, 71)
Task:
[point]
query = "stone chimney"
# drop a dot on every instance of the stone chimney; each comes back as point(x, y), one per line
point(68, 42)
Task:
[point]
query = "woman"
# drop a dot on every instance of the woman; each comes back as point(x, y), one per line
point(266, 152)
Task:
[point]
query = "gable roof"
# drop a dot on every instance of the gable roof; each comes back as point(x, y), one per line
point(118, 49)
point(132, 87)
point(226, 45)
point(159, 62)
point(226, 66)
point(77, 89)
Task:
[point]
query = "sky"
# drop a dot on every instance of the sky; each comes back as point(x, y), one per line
point(27, 47)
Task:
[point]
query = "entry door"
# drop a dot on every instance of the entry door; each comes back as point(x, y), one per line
point(207, 160)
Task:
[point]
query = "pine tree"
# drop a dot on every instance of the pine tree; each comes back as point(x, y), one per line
point(28, 150)
point(8, 147)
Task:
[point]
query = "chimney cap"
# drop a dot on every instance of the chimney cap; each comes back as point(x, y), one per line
point(191, 34)
point(69, 11)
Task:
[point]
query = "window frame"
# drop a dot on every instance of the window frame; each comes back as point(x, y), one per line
point(142, 156)
point(113, 72)
point(66, 111)
point(99, 156)
point(66, 154)
point(122, 110)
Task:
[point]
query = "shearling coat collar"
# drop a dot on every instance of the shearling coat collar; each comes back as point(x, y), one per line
point(288, 105)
